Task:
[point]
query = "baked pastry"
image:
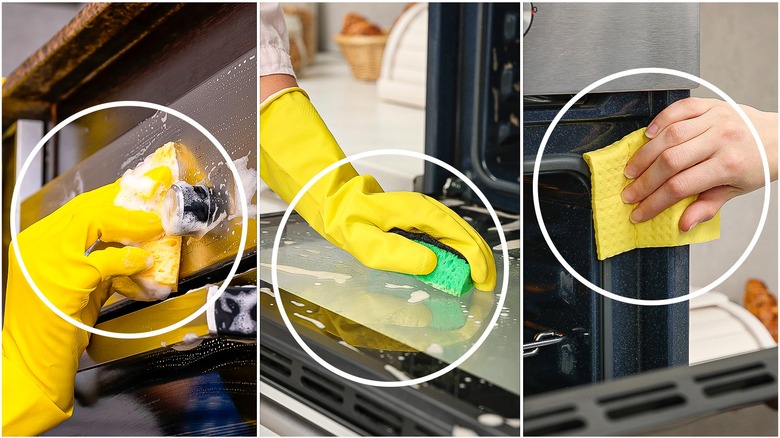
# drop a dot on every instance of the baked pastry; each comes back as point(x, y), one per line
point(761, 303)
point(356, 24)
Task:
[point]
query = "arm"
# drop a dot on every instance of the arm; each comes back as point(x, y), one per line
point(41, 351)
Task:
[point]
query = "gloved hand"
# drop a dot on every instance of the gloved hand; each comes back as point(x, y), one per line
point(41, 351)
point(352, 211)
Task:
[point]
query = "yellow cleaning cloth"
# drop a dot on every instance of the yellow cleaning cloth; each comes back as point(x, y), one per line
point(614, 231)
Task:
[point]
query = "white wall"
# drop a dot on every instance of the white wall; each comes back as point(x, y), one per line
point(739, 55)
point(26, 27)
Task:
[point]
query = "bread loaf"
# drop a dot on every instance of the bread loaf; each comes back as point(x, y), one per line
point(139, 191)
point(761, 303)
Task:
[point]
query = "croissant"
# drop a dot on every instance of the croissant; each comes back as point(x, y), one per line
point(761, 303)
point(356, 24)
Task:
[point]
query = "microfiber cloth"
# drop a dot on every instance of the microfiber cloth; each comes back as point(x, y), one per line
point(614, 231)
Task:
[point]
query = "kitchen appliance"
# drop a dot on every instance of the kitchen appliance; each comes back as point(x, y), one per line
point(573, 336)
point(366, 322)
point(201, 61)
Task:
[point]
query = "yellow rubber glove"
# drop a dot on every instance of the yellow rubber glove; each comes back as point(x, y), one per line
point(41, 351)
point(352, 211)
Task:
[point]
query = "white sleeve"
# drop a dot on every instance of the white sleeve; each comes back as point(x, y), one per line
point(274, 50)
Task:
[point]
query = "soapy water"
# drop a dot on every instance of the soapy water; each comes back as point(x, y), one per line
point(349, 346)
point(435, 350)
point(462, 431)
point(320, 275)
point(491, 420)
point(318, 324)
point(248, 177)
point(398, 374)
point(398, 286)
point(417, 296)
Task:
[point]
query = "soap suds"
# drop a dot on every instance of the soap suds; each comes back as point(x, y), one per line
point(462, 431)
point(189, 338)
point(311, 320)
point(349, 346)
point(398, 286)
point(248, 181)
point(268, 291)
point(434, 349)
point(398, 374)
point(512, 244)
point(513, 422)
point(320, 275)
point(418, 296)
point(491, 420)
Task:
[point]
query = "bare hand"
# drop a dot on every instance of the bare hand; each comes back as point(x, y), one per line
point(699, 146)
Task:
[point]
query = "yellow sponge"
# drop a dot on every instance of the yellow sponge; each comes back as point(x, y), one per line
point(144, 188)
point(615, 233)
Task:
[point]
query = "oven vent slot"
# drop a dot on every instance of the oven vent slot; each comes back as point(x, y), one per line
point(322, 386)
point(380, 417)
point(739, 385)
point(646, 407)
point(557, 428)
point(643, 391)
point(562, 410)
point(274, 361)
point(640, 403)
point(335, 400)
point(729, 372)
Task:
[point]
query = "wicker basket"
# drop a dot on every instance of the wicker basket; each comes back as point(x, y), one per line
point(363, 54)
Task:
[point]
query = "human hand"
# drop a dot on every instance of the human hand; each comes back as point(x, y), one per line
point(359, 216)
point(41, 351)
point(699, 146)
point(352, 211)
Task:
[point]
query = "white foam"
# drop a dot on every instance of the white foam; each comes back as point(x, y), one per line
point(513, 422)
point(248, 179)
point(512, 244)
point(349, 346)
point(434, 349)
point(462, 431)
point(491, 420)
point(418, 296)
point(268, 291)
point(320, 275)
point(398, 286)
point(398, 374)
point(311, 320)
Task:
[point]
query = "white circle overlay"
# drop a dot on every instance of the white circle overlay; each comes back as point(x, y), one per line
point(138, 104)
point(690, 295)
point(275, 281)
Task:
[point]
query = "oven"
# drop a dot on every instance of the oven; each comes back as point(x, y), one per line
point(593, 365)
point(200, 60)
point(361, 320)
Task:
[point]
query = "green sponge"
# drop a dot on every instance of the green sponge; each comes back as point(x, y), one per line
point(452, 273)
